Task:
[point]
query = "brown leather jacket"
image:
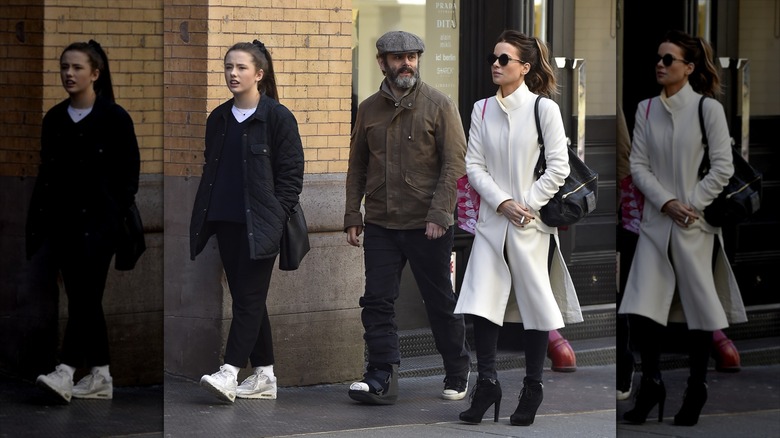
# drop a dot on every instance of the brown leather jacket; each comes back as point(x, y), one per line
point(405, 158)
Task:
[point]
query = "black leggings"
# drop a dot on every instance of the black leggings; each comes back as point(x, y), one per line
point(647, 336)
point(486, 340)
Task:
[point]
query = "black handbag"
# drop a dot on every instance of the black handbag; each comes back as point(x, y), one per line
point(577, 197)
point(130, 242)
point(741, 197)
point(295, 240)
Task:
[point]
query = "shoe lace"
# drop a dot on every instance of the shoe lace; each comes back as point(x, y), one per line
point(480, 385)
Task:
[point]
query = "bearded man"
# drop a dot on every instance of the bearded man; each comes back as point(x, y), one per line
point(407, 151)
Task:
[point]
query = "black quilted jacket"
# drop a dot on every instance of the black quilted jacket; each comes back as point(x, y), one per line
point(272, 173)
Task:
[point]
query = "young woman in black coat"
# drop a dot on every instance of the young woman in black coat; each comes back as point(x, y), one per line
point(251, 180)
point(86, 184)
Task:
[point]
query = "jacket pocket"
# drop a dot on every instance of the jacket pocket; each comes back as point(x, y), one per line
point(260, 149)
point(421, 182)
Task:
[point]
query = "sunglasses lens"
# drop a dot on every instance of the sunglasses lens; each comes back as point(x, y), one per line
point(666, 59)
point(503, 60)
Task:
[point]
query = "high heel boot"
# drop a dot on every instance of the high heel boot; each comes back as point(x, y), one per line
point(530, 398)
point(651, 392)
point(485, 393)
point(693, 400)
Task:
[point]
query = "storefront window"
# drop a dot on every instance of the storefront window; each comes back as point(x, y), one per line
point(436, 22)
point(540, 19)
point(703, 19)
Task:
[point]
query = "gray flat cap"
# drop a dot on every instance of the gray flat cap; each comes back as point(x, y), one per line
point(398, 41)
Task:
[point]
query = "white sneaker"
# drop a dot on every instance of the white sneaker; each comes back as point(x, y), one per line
point(57, 382)
point(222, 384)
point(258, 385)
point(94, 385)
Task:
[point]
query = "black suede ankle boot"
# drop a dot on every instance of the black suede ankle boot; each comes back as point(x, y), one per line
point(530, 398)
point(651, 392)
point(693, 401)
point(485, 393)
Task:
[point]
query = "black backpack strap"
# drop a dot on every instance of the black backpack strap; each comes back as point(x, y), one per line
point(540, 137)
point(704, 167)
point(541, 163)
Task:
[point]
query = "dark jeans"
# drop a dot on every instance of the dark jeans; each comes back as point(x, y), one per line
point(84, 271)
point(248, 280)
point(386, 253)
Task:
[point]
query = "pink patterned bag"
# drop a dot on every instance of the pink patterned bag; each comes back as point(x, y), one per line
point(632, 202)
point(468, 205)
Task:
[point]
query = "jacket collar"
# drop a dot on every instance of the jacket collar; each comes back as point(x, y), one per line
point(681, 99)
point(407, 100)
point(261, 113)
point(516, 99)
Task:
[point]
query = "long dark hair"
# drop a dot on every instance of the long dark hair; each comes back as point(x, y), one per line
point(541, 77)
point(98, 61)
point(262, 60)
point(705, 78)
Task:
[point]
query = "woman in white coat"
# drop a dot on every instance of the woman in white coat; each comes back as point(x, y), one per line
point(515, 272)
point(679, 272)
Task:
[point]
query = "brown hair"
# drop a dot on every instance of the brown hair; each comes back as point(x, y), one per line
point(705, 77)
point(98, 61)
point(541, 77)
point(262, 60)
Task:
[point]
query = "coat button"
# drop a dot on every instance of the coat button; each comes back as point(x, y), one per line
point(396, 104)
point(409, 104)
point(250, 234)
point(86, 234)
point(410, 137)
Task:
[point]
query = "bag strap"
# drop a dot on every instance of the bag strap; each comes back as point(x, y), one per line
point(541, 163)
point(484, 106)
point(647, 110)
point(704, 167)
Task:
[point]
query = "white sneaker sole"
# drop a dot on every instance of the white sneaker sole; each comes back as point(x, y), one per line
point(266, 395)
point(222, 395)
point(454, 395)
point(52, 390)
point(106, 394)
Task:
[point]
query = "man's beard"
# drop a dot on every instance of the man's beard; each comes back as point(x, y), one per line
point(405, 82)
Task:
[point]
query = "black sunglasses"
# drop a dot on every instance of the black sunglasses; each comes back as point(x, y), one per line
point(503, 60)
point(668, 59)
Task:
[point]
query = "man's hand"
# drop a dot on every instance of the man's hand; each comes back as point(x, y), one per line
point(352, 235)
point(434, 231)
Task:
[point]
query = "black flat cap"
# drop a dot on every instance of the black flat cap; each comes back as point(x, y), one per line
point(398, 41)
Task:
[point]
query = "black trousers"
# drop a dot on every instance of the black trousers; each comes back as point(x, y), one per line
point(386, 253)
point(250, 331)
point(84, 267)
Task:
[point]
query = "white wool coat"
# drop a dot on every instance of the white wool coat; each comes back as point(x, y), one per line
point(500, 159)
point(665, 157)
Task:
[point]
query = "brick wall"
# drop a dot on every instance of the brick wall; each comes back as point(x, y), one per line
point(311, 47)
point(21, 49)
point(33, 40)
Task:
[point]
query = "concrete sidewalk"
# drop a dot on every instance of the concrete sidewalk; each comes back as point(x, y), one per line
point(579, 404)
